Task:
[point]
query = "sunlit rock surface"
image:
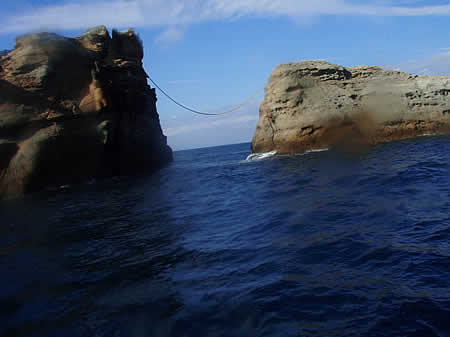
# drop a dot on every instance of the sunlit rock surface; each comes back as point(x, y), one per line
point(315, 104)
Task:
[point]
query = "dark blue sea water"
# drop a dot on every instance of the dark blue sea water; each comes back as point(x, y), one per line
point(321, 244)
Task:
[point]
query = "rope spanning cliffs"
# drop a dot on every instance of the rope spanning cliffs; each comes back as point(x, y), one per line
point(314, 104)
point(75, 108)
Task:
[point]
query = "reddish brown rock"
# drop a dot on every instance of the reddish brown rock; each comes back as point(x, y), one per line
point(75, 108)
point(315, 104)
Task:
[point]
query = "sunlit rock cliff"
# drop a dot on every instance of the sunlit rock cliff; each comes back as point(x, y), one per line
point(315, 104)
point(75, 108)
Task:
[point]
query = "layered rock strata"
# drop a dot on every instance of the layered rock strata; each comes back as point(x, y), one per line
point(315, 104)
point(74, 108)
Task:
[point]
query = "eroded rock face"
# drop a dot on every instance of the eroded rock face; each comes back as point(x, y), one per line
point(315, 104)
point(74, 108)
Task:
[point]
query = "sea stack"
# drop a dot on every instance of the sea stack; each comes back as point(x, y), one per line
point(316, 104)
point(76, 108)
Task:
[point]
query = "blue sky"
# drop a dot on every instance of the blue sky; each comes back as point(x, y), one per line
point(213, 54)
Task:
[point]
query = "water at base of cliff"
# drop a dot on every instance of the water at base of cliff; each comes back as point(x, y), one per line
point(324, 244)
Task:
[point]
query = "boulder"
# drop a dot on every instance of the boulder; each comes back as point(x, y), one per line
point(315, 104)
point(76, 108)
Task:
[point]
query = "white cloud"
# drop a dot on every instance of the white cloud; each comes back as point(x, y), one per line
point(182, 81)
point(170, 35)
point(189, 128)
point(173, 14)
point(438, 64)
point(188, 132)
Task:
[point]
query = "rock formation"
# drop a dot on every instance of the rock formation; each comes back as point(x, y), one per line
point(315, 104)
point(74, 108)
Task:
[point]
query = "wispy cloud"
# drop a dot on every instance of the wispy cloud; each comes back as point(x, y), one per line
point(438, 64)
point(173, 16)
point(170, 35)
point(183, 81)
point(187, 132)
point(188, 128)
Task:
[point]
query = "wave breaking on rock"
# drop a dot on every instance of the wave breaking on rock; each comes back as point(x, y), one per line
point(260, 156)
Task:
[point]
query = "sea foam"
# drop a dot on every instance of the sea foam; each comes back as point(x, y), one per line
point(312, 151)
point(260, 156)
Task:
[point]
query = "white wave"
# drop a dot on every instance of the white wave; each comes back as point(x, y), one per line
point(260, 156)
point(428, 134)
point(318, 150)
point(312, 151)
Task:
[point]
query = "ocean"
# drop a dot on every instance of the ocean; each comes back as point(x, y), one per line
point(327, 243)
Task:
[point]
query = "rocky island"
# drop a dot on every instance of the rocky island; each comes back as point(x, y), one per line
point(75, 108)
point(314, 104)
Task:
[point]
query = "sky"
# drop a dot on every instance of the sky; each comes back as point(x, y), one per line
point(212, 55)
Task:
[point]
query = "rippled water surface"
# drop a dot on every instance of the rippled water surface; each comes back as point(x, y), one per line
point(321, 244)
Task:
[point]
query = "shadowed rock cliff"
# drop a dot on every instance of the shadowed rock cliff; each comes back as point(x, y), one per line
point(315, 104)
point(74, 108)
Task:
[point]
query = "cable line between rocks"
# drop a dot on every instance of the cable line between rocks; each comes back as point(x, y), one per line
point(208, 113)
